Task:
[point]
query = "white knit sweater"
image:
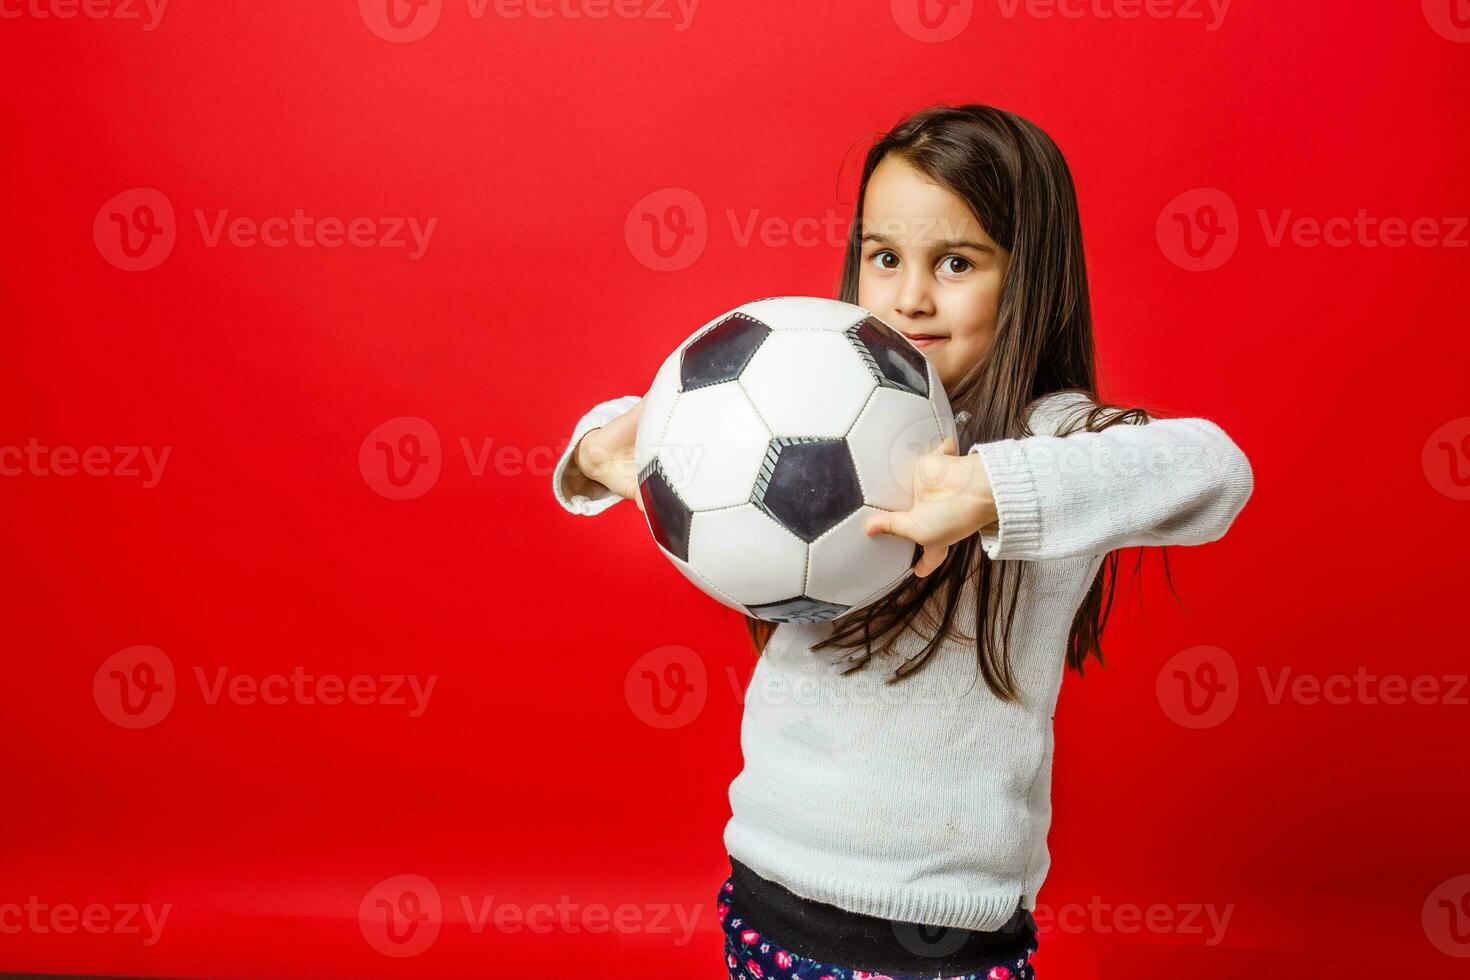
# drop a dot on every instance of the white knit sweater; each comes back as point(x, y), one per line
point(929, 800)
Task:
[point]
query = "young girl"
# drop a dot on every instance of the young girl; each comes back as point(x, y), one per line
point(899, 829)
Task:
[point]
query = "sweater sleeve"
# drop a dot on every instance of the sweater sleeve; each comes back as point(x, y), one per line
point(1165, 482)
point(601, 498)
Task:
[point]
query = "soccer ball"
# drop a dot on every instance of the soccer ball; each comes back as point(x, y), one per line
point(767, 439)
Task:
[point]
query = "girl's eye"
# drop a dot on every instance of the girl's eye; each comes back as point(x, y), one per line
point(879, 257)
point(961, 259)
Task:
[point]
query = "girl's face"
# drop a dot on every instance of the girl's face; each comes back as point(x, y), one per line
point(928, 268)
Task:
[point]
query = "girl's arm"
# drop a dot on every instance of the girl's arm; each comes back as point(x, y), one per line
point(1169, 481)
point(594, 498)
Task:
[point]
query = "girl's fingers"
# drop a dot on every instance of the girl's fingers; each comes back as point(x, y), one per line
point(896, 522)
point(879, 524)
point(931, 559)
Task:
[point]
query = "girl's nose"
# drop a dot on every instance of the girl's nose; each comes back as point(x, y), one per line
point(914, 298)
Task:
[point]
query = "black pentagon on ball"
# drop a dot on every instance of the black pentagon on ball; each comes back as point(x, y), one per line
point(721, 352)
point(799, 610)
point(894, 361)
point(808, 485)
point(668, 516)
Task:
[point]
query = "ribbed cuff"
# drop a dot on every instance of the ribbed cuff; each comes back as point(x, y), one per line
point(601, 498)
point(1017, 534)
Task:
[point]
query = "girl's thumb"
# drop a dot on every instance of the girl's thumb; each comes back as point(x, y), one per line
point(886, 522)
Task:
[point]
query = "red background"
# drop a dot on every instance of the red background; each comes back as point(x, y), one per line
point(532, 776)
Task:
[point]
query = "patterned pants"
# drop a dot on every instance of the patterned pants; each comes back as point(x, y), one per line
point(750, 956)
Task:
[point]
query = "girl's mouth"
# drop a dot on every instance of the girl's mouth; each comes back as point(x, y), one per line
point(923, 339)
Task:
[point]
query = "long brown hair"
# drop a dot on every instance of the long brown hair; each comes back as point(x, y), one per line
point(1016, 182)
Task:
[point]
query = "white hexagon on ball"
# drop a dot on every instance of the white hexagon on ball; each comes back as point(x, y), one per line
point(746, 555)
point(894, 428)
point(658, 404)
point(808, 383)
point(804, 313)
point(843, 564)
point(713, 447)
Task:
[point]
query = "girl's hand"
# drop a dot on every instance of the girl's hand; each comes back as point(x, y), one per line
point(952, 500)
point(605, 455)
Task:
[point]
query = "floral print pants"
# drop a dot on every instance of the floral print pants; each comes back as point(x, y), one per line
point(750, 956)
